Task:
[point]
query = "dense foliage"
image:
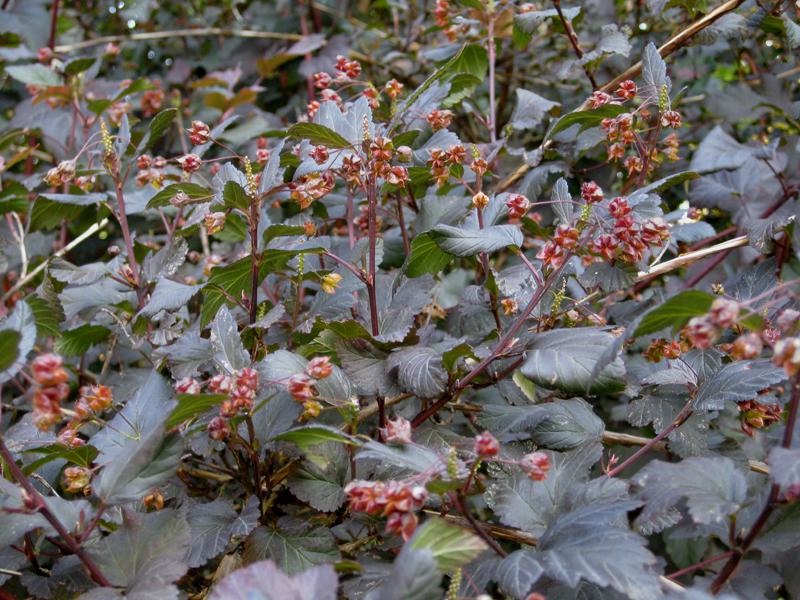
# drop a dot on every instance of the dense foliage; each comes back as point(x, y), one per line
point(399, 299)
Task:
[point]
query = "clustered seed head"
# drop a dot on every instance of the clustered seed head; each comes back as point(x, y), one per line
point(397, 500)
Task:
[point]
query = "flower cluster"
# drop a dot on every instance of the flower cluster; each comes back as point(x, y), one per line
point(626, 239)
point(704, 331)
point(757, 415)
point(51, 389)
point(625, 131)
point(397, 500)
point(151, 170)
point(301, 386)
point(240, 388)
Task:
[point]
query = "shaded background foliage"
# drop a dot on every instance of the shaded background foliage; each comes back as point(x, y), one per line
point(601, 378)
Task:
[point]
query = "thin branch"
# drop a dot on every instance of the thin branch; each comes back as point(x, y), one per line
point(573, 40)
point(179, 33)
point(42, 507)
point(700, 565)
point(679, 420)
point(42, 266)
point(463, 507)
point(729, 568)
point(673, 44)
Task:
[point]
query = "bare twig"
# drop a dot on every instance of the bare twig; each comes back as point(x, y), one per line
point(78, 240)
point(41, 506)
point(729, 568)
point(674, 43)
point(179, 33)
point(573, 40)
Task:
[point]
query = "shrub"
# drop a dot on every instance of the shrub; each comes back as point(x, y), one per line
point(400, 300)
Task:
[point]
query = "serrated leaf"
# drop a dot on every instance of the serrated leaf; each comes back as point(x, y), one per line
point(712, 487)
point(76, 342)
point(565, 358)
point(293, 543)
point(426, 257)
point(737, 381)
point(146, 552)
point(312, 435)
point(141, 465)
point(193, 190)
point(17, 337)
point(784, 466)
point(318, 134)
point(469, 242)
point(320, 482)
point(414, 576)
point(263, 580)
point(586, 545)
point(530, 110)
point(34, 74)
point(76, 199)
point(654, 73)
point(159, 125)
point(169, 295)
point(212, 524)
point(562, 202)
point(192, 405)
point(517, 573)
point(229, 353)
point(675, 312)
point(586, 118)
point(419, 370)
point(451, 546)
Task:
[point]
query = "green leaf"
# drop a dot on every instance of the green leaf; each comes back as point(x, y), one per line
point(78, 341)
point(48, 317)
point(319, 135)
point(159, 125)
point(82, 456)
point(426, 257)
point(281, 230)
point(451, 546)
point(79, 65)
point(235, 278)
point(587, 118)
point(675, 312)
point(473, 59)
point(305, 437)
point(193, 190)
point(47, 214)
point(9, 348)
point(235, 197)
point(192, 405)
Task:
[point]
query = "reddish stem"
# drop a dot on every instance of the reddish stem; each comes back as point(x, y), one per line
point(44, 510)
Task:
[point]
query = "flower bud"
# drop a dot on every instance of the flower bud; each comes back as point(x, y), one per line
point(480, 200)
point(330, 282)
point(76, 478)
point(47, 370)
point(404, 154)
point(319, 367)
point(535, 465)
point(486, 445)
point(724, 312)
point(199, 133)
point(214, 222)
point(187, 385)
point(397, 431)
point(219, 429)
